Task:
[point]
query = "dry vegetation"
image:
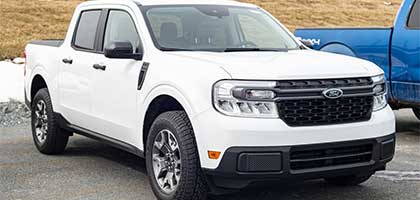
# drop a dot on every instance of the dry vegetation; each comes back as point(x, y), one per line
point(25, 20)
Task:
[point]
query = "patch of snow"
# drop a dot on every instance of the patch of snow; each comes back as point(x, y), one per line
point(387, 3)
point(399, 175)
point(11, 81)
point(19, 61)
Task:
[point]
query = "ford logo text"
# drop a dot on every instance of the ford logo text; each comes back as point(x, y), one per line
point(333, 93)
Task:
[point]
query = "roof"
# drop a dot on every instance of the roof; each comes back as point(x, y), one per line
point(177, 2)
point(172, 2)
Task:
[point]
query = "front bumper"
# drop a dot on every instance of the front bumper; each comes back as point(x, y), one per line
point(217, 132)
point(244, 166)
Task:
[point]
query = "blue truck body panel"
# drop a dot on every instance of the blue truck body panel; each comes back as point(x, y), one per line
point(396, 50)
point(405, 56)
point(366, 43)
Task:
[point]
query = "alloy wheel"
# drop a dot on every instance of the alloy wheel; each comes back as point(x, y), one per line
point(166, 161)
point(41, 121)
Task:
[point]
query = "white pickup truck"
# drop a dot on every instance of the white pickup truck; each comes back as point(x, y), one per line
point(215, 95)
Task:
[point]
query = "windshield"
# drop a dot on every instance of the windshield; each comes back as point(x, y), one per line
point(215, 28)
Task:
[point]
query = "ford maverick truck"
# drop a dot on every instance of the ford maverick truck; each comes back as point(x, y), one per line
point(396, 50)
point(216, 96)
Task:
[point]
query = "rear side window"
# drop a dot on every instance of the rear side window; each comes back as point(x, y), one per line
point(86, 29)
point(121, 28)
point(414, 19)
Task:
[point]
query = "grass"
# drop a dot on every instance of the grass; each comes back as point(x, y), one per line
point(22, 21)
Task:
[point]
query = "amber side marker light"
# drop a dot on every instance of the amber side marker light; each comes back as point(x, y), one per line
point(214, 155)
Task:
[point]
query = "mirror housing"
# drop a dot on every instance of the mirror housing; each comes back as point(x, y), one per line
point(121, 50)
point(307, 43)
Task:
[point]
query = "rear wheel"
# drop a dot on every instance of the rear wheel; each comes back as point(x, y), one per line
point(417, 112)
point(351, 180)
point(47, 136)
point(172, 159)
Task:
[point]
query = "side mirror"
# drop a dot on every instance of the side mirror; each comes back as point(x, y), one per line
point(307, 43)
point(122, 50)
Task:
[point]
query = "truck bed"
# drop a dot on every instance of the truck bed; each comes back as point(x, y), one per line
point(49, 42)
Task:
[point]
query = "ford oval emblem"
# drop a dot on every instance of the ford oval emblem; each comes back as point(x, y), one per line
point(332, 93)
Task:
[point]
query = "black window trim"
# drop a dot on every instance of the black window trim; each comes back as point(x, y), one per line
point(95, 44)
point(103, 23)
point(409, 16)
point(101, 31)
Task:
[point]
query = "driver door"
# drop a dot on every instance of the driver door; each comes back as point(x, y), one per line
point(114, 99)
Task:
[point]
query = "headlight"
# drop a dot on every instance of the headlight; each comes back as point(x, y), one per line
point(245, 98)
point(379, 102)
point(378, 79)
point(379, 90)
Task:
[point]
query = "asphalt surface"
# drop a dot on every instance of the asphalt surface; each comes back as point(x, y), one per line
point(92, 170)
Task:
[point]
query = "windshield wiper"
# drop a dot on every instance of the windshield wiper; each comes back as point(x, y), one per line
point(235, 49)
point(174, 49)
point(181, 49)
point(254, 49)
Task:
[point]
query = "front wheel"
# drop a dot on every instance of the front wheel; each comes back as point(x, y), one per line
point(172, 159)
point(351, 180)
point(417, 112)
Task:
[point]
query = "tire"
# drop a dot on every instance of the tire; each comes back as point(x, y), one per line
point(351, 180)
point(175, 127)
point(417, 112)
point(48, 137)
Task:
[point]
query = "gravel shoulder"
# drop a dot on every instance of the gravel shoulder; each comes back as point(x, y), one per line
point(92, 170)
point(13, 113)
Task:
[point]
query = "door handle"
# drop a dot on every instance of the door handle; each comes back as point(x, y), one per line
point(68, 61)
point(99, 67)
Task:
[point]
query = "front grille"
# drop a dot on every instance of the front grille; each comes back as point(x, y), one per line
point(302, 103)
point(324, 83)
point(327, 157)
point(310, 112)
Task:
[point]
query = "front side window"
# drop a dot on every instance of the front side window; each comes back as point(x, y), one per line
point(414, 19)
point(121, 28)
point(215, 28)
point(86, 29)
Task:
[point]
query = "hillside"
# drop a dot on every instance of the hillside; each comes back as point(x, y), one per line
point(22, 20)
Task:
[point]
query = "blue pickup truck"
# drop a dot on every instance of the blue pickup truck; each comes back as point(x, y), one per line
point(395, 49)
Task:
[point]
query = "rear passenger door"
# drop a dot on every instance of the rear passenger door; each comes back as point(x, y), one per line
point(114, 99)
point(75, 79)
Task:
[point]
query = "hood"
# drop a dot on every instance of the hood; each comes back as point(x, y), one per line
point(296, 64)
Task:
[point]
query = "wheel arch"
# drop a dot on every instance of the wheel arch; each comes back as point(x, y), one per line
point(160, 104)
point(339, 48)
point(162, 99)
point(38, 82)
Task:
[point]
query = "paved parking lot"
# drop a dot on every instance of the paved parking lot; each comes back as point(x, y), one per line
point(91, 170)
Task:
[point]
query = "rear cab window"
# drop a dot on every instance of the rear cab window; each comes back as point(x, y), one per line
point(85, 32)
point(414, 18)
